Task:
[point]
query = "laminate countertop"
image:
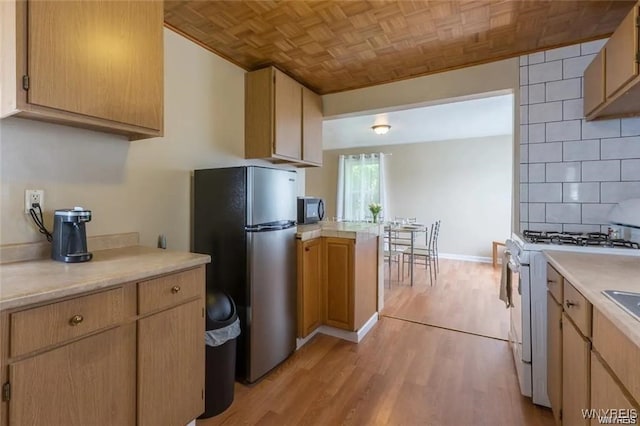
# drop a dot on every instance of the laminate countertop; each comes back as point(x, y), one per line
point(590, 274)
point(29, 282)
point(352, 230)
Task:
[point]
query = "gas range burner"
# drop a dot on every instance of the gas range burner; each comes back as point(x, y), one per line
point(590, 239)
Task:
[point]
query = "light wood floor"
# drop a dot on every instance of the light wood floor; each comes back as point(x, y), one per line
point(402, 373)
point(464, 297)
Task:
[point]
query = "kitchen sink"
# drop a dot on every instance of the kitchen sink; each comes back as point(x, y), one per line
point(630, 302)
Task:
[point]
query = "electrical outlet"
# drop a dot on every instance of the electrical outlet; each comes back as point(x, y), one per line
point(31, 197)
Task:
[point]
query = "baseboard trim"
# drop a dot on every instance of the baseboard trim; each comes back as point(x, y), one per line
point(465, 257)
point(350, 336)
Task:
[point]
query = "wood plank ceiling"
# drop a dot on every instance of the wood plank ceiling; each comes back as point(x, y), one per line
point(333, 46)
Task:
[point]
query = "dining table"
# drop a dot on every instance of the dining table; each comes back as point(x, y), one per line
point(412, 230)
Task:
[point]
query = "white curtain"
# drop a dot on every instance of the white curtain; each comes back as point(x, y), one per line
point(360, 183)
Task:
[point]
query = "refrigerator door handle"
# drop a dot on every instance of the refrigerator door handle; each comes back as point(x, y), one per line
point(271, 227)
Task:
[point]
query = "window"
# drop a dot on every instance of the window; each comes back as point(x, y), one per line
point(360, 183)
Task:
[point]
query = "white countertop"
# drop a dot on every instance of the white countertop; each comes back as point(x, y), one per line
point(25, 283)
point(592, 273)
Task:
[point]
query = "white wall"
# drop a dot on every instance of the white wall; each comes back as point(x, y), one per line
point(465, 183)
point(142, 186)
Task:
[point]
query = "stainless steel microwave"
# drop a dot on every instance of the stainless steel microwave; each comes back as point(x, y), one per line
point(310, 210)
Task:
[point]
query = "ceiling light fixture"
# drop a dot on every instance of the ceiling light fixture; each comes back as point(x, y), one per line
point(381, 129)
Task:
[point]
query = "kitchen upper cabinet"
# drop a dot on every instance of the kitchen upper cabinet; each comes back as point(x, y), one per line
point(576, 373)
point(283, 119)
point(612, 81)
point(554, 356)
point(88, 382)
point(92, 64)
point(309, 286)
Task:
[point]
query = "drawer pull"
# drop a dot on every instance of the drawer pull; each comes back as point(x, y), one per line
point(75, 320)
point(552, 282)
point(175, 289)
point(569, 304)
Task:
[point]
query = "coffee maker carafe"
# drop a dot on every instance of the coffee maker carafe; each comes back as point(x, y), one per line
point(69, 235)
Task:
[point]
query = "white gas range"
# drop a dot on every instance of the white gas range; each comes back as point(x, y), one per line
point(528, 325)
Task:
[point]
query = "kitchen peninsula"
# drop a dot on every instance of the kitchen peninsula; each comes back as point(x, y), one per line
point(340, 279)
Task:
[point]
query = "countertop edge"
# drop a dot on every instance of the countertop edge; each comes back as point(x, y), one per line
point(618, 317)
point(195, 260)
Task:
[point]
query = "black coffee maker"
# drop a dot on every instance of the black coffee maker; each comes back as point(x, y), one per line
point(69, 242)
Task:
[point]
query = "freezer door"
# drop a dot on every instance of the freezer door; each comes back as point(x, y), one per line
point(271, 195)
point(271, 315)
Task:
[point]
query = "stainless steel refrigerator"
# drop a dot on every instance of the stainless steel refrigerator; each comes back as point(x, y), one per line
point(244, 218)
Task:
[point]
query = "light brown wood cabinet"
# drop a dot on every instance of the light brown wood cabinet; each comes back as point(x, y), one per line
point(606, 392)
point(554, 356)
point(612, 81)
point(576, 373)
point(283, 119)
point(96, 65)
point(105, 358)
point(337, 283)
point(309, 286)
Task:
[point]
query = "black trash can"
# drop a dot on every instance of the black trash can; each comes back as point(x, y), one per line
point(222, 331)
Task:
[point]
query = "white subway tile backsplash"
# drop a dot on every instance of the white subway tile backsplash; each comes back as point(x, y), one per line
point(591, 47)
point(524, 60)
point(548, 71)
point(549, 227)
point(614, 192)
point(630, 126)
point(536, 58)
point(600, 129)
point(572, 109)
point(630, 169)
point(563, 172)
point(548, 111)
point(574, 67)
point(572, 227)
point(563, 213)
point(524, 173)
point(524, 95)
point(545, 152)
point(537, 133)
point(562, 53)
point(620, 148)
point(545, 193)
point(524, 154)
point(537, 93)
point(564, 89)
point(524, 133)
point(537, 172)
point(563, 131)
point(524, 76)
point(523, 226)
point(596, 214)
point(581, 150)
point(581, 192)
point(537, 212)
point(524, 212)
point(524, 192)
point(601, 171)
point(524, 114)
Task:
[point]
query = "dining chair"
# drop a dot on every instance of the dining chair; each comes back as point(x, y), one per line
point(435, 246)
point(427, 254)
point(391, 253)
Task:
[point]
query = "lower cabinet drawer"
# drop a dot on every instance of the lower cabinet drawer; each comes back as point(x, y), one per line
point(37, 328)
point(578, 308)
point(170, 290)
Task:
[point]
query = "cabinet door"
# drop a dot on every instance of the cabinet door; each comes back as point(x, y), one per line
point(606, 392)
point(88, 382)
point(593, 85)
point(98, 58)
point(309, 286)
point(576, 371)
point(338, 282)
point(554, 356)
point(622, 47)
point(311, 127)
point(171, 366)
point(288, 117)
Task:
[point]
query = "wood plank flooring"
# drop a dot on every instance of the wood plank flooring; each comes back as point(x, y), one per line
point(402, 373)
point(464, 297)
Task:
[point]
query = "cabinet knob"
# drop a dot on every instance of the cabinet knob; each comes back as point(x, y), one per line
point(569, 303)
point(307, 249)
point(551, 282)
point(175, 289)
point(76, 319)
